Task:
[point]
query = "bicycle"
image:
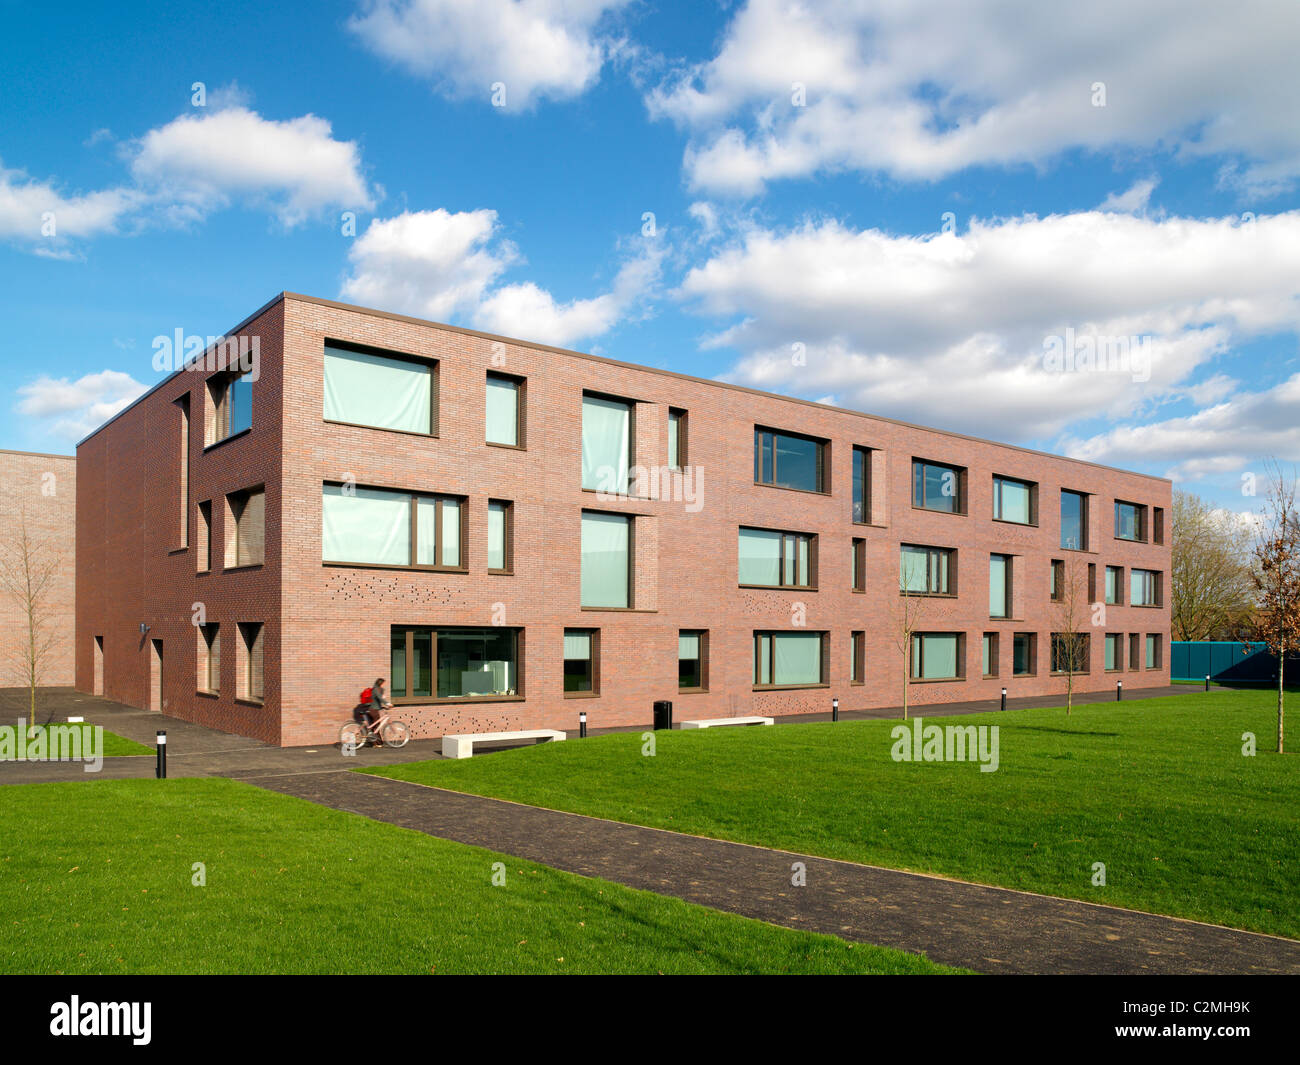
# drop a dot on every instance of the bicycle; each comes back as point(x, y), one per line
point(357, 734)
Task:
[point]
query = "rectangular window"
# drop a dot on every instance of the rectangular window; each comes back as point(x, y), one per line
point(692, 660)
point(937, 487)
point(785, 460)
point(927, 570)
point(183, 404)
point(245, 528)
point(861, 485)
point(230, 408)
point(1115, 584)
point(455, 663)
point(606, 560)
point(385, 527)
point(1158, 525)
point(857, 657)
point(1144, 587)
point(1056, 582)
point(380, 391)
point(249, 673)
point(936, 655)
point(209, 676)
point(1130, 521)
point(1153, 651)
point(581, 676)
point(504, 410)
point(1014, 501)
point(1134, 650)
point(1024, 654)
point(999, 586)
point(1070, 652)
point(204, 532)
point(788, 659)
point(990, 655)
point(1074, 521)
point(676, 438)
point(1114, 651)
point(772, 559)
point(501, 536)
point(606, 444)
point(859, 564)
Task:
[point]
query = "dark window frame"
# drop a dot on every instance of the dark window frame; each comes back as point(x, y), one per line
point(410, 631)
point(789, 548)
point(431, 364)
point(414, 498)
point(763, 458)
point(702, 663)
point(916, 667)
point(959, 504)
point(863, 455)
point(768, 634)
point(593, 666)
point(949, 555)
point(521, 410)
point(682, 417)
point(508, 532)
point(1033, 500)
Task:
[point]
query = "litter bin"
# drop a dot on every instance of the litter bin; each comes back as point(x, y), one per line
point(663, 714)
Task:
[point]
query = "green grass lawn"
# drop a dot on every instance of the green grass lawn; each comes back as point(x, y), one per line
point(114, 745)
point(96, 877)
point(1158, 790)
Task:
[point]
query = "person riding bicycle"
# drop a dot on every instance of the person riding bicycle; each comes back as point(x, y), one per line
point(372, 711)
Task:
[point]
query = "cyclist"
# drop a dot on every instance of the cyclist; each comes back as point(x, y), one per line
point(377, 716)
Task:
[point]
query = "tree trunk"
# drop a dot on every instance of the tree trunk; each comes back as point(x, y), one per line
point(1281, 668)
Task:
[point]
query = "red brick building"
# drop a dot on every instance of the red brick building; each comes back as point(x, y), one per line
point(40, 491)
point(514, 533)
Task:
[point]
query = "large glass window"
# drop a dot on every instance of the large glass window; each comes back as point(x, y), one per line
point(580, 674)
point(861, 485)
point(1070, 652)
point(502, 410)
point(1074, 521)
point(936, 487)
point(775, 559)
point(606, 559)
point(999, 586)
point(470, 663)
point(935, 655)
point(606, 444)
point(1130, 521)
point(691, 647)
point(925, 570)
point(1143, 585)
point(787, 658)
point(378, 391)
point(231, 409)
point(374, 526)
point(784, 460)
point(1012, 500)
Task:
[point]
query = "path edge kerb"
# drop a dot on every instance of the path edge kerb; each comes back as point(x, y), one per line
point(358, 772)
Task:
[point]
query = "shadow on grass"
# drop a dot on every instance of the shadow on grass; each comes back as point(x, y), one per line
point(1066, 731)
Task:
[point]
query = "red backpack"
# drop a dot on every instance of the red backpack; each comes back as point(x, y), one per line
point(366, 694)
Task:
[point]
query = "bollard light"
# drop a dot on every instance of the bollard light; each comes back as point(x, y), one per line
point(582, 724)
point(1119, 691)
point(1207, 682)
point(161, 771)
point(1004, 698)
point(835, 709)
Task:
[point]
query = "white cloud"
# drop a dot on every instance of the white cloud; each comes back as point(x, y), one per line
point(445, 266)
point(1132, 200)
point(200, 162)
point(537, 48)
point(926, 88)
point(29, 208)
point(75, 408)
point(950, 329)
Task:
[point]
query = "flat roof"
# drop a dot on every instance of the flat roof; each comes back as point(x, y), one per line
point(354, 309)
point(39, 454)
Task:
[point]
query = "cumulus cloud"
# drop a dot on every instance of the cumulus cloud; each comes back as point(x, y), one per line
point(204, 161)
point(955, 329)
point(36, 213)
point(536, 48)
point(75, 408)
point(446, 265)
point(924, 89)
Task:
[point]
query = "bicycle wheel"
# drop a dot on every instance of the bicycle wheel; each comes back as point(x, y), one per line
point(396, 734)
point(352, 735)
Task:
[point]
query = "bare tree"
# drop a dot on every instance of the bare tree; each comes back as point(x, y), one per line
point(1276, 576)
point(906, 622)
point(1072, 625)
point(29, 565)
point(1211, 587)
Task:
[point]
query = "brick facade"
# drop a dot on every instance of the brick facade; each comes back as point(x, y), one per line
point(326, 628)
point(44, 488)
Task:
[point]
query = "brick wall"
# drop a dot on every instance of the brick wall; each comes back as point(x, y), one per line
point(44, 488)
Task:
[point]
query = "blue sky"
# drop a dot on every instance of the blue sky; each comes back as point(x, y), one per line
point(914, 198)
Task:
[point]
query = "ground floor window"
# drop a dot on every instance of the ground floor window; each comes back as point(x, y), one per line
point(1153, 651)
point(990, 654)
point(788, 659)
point(455, 663)
point(1114, 651)
point(936, 656)
point(1070, 652)
point(1024, 654)
point(857, 657)
point(581, 676)
point(692, 673)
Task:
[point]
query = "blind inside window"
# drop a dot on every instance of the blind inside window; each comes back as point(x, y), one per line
point(606, 442)
point(366, 525)
point(913, 570)
point(688, 645)
point(502, 411)
point(605, 562)
point(998, 586)
point(373, 390)
point(496, 536)
point(760, 557)
point(938, 656)
point(450, 532)
point(577, 645)
point(797, 658)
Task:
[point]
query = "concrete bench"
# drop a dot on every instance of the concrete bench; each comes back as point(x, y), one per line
point(718, 722)
point(462, 746)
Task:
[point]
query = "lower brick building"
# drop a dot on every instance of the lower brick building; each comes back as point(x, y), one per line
point(513, 533)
